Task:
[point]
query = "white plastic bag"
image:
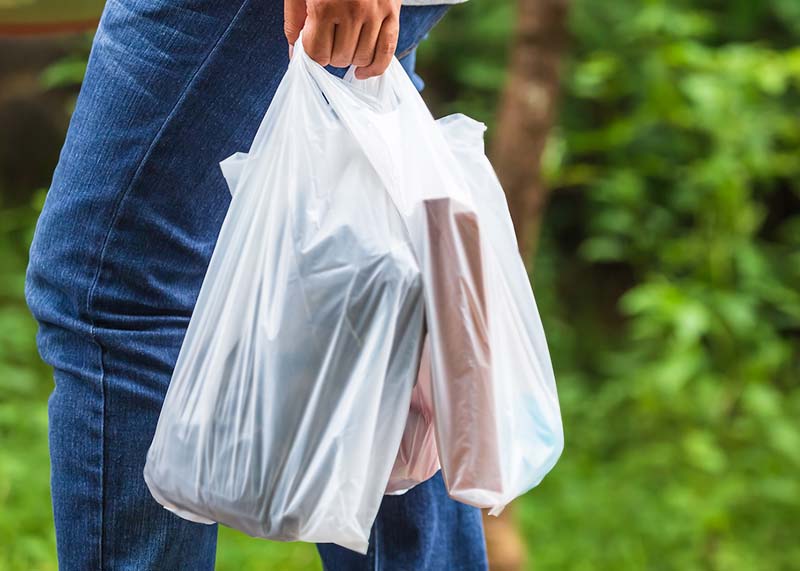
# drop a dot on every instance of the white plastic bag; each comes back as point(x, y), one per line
point(494, 402)
point(354, 215)
point(289, 397)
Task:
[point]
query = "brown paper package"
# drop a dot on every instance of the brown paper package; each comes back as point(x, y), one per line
point(457, 290)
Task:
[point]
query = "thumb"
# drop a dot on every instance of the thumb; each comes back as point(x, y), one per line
point(294, 16)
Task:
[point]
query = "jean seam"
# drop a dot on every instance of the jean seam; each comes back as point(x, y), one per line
point(104, 453)
point(95, 280)
point(137, 172)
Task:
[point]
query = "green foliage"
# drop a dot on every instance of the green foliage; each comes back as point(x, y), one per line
point(66, 72)
point(669, 280)
point(25, 518)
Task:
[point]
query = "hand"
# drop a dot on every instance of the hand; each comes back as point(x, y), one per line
point(345, 32)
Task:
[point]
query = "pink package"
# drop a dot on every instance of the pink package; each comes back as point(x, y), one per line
point(417, 459)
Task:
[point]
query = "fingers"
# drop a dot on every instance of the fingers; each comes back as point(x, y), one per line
point(294, 16)
point(345, 40)
point(365, 49)
point(318, 38)
point(385, 47)
point(344, 32)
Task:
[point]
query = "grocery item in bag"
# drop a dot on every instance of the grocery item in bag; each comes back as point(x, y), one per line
point(465, 406)
point(417, 459)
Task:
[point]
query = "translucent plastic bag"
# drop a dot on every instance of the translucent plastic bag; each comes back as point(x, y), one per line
point(289, 397)
point(355, 219)
point(417, 459)
point(493, 406)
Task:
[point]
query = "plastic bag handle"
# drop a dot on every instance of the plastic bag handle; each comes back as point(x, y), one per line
point(379, 94)
point(364, 106)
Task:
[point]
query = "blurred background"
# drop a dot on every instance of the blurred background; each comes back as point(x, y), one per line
point(650, 152)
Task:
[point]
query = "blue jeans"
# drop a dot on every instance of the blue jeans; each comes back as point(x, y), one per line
point(121, 247)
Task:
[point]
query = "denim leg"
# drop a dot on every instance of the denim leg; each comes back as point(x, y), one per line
point(121, 248)
point(421, 530)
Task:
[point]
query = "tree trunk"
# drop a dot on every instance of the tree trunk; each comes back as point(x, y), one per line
point(527, 112)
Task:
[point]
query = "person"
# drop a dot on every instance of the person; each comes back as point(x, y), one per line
point(124, 239)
